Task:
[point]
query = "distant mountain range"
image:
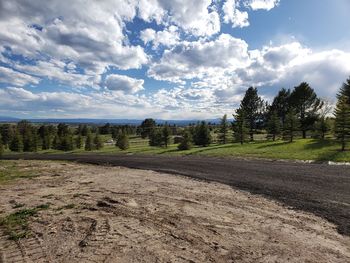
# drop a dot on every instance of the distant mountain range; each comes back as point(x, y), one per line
point(103, 121)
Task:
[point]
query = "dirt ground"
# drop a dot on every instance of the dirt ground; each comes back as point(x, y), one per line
point(114, 214)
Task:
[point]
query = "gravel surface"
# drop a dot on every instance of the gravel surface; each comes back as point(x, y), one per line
point(99, 213)
point(321, 189)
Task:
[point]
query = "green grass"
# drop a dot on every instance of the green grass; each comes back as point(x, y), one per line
point(301, 149)
point(9, 171)
point(16, 224)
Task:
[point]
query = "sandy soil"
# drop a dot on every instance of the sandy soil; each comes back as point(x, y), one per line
point(113, 214)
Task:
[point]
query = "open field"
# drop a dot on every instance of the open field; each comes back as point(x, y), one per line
point(301, 149)
point(85, 213)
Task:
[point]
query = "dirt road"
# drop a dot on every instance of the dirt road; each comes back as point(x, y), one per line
point(318, 188)
point(111, 214)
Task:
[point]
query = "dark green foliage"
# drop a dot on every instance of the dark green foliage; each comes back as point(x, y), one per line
point(240, 129)
point(7, 131)
point(322, 126)
point(89, 142)
point(306, 104)
point(342, 115)
point(274, 125)
point(56, 142)
point(156, 138)
point(223, 130)
point(187, 141)
point(252, 105)
point(280, 104)
point(16, 144)
point(147, 127)
point(202, 135)
point(98, 143)
point(166, 135)
point(291, 126)
point(1, 147)
point(105, 129)
point(122, 141)
point(79, 142)
point(66, 143)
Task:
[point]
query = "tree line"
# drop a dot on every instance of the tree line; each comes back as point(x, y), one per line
point(297, 112)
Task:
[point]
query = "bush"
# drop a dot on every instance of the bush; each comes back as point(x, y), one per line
point(122, 141)
point(186, 143)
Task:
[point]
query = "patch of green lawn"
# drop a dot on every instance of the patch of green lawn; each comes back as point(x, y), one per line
point(9, 171)
point(16, 224)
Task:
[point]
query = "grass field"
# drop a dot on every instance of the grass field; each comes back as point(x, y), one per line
point(301, 149)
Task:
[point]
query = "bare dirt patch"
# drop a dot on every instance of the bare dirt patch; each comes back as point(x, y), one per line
point(87, 213)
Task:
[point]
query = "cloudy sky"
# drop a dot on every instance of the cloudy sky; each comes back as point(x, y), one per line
point(169, 59)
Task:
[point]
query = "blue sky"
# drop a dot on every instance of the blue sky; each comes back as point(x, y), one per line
point(165, 59)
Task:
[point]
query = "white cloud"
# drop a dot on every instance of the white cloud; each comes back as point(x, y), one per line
point(123, 83)
point(233, 15)
point(262, 4)
point(199, 58)
point(8, 75)
point(167, 37)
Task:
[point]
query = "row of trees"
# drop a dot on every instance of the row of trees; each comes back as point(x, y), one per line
point(29, 138)
point(290, 113)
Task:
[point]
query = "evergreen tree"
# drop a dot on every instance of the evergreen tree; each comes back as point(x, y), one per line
point(273, 125)
point(98, 143)
point(342, 115)
point(155, 138)
point(67, 142)
point(240, 129)
point(147, 127)
point(292, 125)
point(7, 132)
point(202, 134)
point(166, 132)
point(223, 130)
point(1, 147)
point(89, 142)
point(280, 104)
point(122, 141)
point(16, 144)
point(306, 104)
point(79, 141)
point(251, 105)
point(56, 142)
point(186, 142)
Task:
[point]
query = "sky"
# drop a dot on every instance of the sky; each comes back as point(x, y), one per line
point(178, 59)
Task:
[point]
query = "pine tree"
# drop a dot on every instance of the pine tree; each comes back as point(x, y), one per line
point(147, 127)
point(98, 143)
point(89, 142)
point(306, 104)
point(56, 142)
point(186, 142)
point(16, 144)
point(342, 119)
point(240, 129)
point(1, 146)
point(251, 105)
point(79, 141)
point(122, 141)
point(273, 125)
point(223, 130)
point(155, 138)
point(292, 125)
point(202, 134)
point(280, 104)
point(166, 135)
